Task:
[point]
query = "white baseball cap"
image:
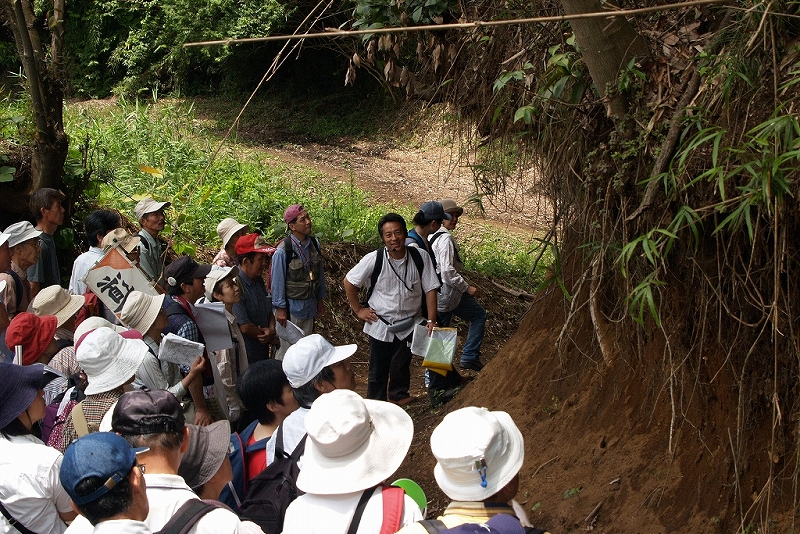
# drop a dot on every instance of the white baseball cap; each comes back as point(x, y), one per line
point(148, 205)
point(306, 358)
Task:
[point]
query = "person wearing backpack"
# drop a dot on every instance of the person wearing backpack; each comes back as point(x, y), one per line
point(457, 296)
point(24, 247)
point(267, 396)
point(105, 481)
point(479, 455)
point(297, 278)
point(353, 446)
point(397, 278)
point(154, 419)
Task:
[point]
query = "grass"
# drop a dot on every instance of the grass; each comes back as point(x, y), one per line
point(162, 150)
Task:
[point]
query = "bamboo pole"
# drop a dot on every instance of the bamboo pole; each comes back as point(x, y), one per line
point(457, 26)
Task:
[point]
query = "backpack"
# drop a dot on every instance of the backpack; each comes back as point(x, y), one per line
point(233, 494)
point(416, 256)
point(273, 490)
point(188, 515)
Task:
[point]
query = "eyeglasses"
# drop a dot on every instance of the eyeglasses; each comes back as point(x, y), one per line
point(140, 466)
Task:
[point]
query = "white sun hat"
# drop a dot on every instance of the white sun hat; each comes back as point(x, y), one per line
point(21, 232)
point(140, 310)
point(214, 277)
point(227, 228)
point(306, 358)
point(477, 453)
point(93, 323)
point(353, 443)
point(108, 359)
point(55, 300)
point(3, 238)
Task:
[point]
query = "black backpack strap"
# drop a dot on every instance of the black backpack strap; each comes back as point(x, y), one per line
point(362, 503)
point(299, 449)
point(187, 516)
point(434, 237)
point(13, 522)
point(18, 289)
point(417, 258)
point(288, 249)
point(376, 271)
point(433, 526)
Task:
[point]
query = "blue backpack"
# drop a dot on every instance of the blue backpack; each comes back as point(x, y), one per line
point(233, 494)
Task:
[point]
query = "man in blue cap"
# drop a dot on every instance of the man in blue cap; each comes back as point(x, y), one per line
point(106, 483)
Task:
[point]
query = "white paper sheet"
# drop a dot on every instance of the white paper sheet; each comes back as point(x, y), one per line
point(179, 350)
point(290, 333)
point(210, 319)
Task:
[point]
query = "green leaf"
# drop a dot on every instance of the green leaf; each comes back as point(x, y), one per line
point(7, 174)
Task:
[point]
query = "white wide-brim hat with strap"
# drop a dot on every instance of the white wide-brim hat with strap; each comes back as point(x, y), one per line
point(140, 310)
point(108, 359)
point(353, 443)
point(477, 453)
point(55, 300)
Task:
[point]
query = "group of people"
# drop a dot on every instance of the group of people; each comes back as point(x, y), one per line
point(144, 439)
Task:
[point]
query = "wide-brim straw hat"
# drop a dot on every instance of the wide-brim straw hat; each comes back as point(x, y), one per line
point(140, 310)
point(353, 443)
point(477, 453)
point(55, 300)
point(108, 359)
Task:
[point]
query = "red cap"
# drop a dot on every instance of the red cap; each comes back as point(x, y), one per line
point(33, 333)
point(253, 243)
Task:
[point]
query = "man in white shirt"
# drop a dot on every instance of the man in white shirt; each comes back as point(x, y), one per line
point(353, 446)
point(97, 224)
point(457, 297)
point(393, 307)
point(106, 483)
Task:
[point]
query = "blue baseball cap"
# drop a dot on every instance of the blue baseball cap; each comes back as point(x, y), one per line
point(434, 211)
point(102, 454)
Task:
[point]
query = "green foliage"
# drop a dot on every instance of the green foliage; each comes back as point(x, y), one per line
point(135, 46)
point(159, 150)
point(369, 14)
point(570, 493)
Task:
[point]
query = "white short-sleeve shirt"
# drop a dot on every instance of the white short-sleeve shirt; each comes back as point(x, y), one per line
point(332, 514)
point(398, 292)
point(30, 488)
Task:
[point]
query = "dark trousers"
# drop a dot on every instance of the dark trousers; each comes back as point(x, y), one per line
point(389, 365)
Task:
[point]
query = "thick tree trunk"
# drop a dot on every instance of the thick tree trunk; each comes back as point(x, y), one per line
point(606, 45)
point(43, 71)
